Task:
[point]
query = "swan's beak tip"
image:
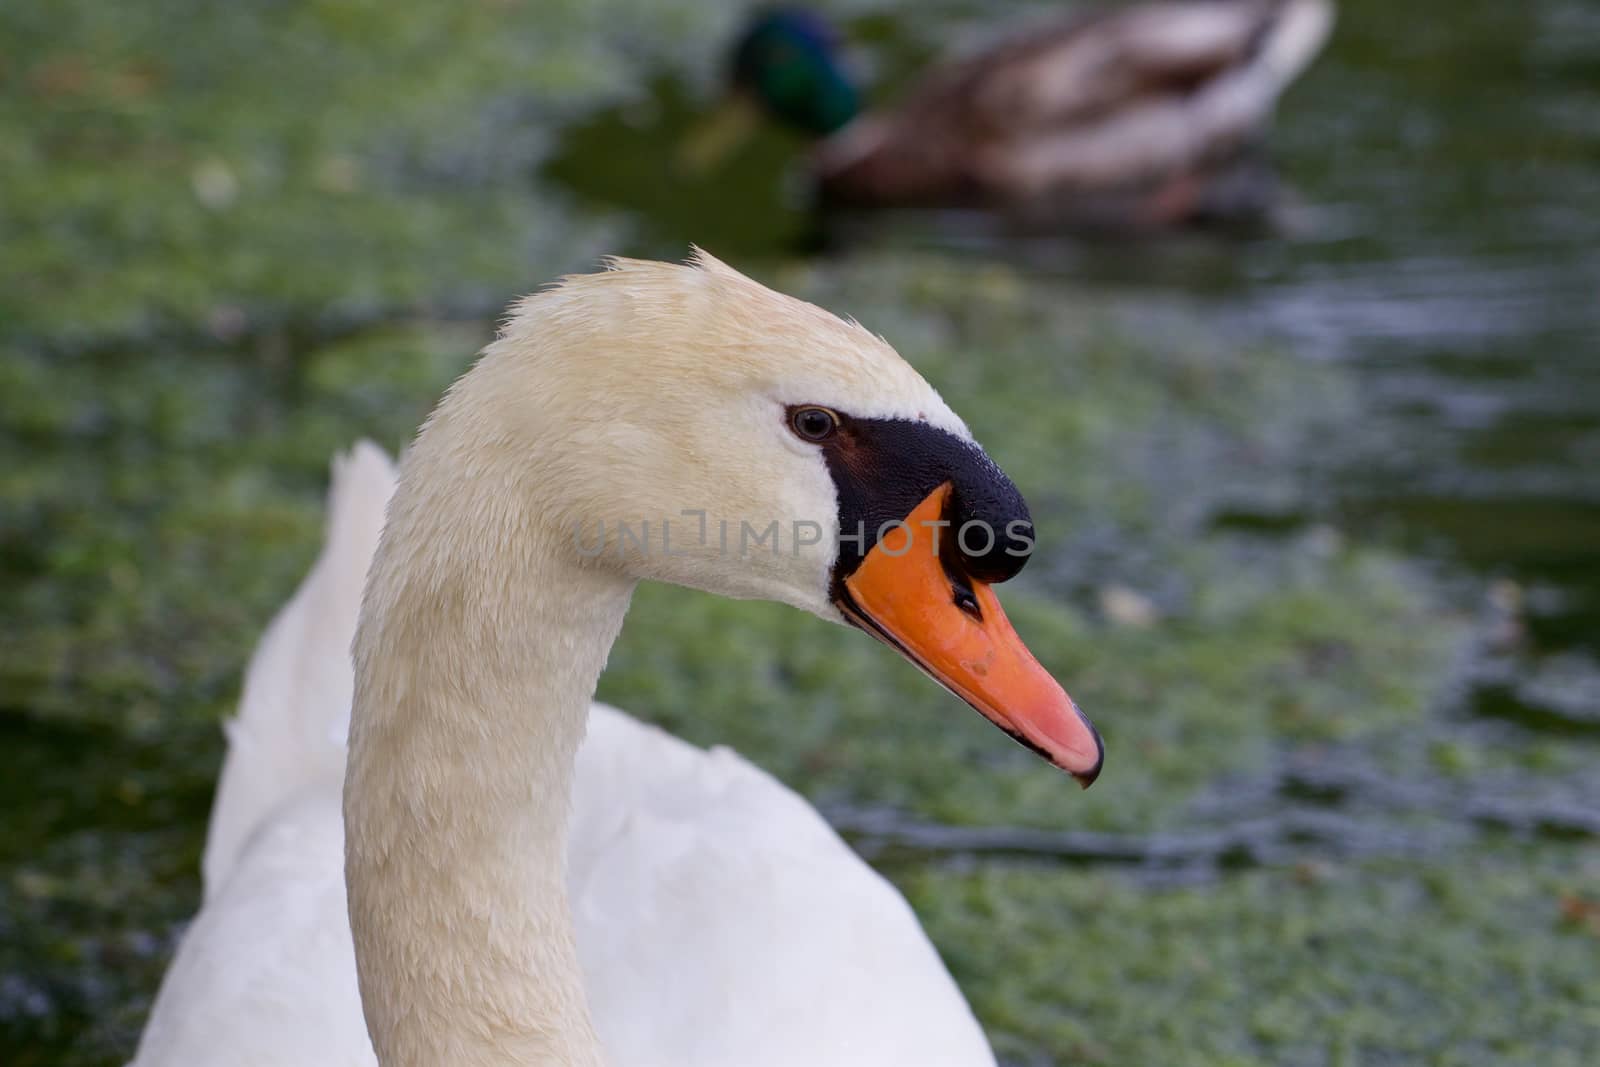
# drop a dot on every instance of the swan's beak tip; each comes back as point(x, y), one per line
point(1089, 776)
point(1059, 731)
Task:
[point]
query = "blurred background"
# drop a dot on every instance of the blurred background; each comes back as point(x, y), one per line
point(1319, 502)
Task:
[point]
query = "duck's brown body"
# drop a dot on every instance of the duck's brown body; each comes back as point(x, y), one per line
point(1127, 117)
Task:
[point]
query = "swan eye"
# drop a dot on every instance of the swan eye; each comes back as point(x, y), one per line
point(814, 424)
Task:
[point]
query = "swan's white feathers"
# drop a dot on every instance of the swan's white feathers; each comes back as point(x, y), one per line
point(266, 973)
point(701, 887)
point(705, 328)
point(707, 890)
point(638, 393)
point(719, 920)
point(294, 711)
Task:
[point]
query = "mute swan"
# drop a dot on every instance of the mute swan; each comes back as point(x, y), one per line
point(702, 913)
point(1138, 115)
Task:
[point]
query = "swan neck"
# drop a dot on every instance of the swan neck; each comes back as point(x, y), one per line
point(475, 667)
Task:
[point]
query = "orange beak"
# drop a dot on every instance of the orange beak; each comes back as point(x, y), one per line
point(954, 630)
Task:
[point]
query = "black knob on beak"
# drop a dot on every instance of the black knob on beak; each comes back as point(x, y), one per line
point(991, 532)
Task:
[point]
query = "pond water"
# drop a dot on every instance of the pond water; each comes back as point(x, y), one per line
point(1443, 242)
point(1443, 253)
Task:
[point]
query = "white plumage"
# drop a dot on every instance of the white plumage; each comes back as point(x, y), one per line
point(718, 919)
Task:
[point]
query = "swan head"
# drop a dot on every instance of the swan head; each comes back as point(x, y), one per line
point(684, 423)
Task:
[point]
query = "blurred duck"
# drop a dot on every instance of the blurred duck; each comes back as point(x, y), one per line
point(535, 879)
point(1139, 117)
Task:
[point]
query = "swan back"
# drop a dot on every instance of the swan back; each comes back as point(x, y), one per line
point(703, 888)
point(294, 711)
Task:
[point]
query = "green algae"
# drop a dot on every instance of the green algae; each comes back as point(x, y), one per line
point(236, 239)
point(1311, 966)
point(168, 161)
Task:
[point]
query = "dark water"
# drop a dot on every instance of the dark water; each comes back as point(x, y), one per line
point(1444, 245)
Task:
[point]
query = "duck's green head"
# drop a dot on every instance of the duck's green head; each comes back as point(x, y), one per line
point(788, 62)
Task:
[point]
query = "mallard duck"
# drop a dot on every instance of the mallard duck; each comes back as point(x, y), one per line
point(498, 871)
point(1140, 116)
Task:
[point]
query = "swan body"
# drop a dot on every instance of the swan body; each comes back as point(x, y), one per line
point(702, 888)
point(533, 879)
point(1130, 117)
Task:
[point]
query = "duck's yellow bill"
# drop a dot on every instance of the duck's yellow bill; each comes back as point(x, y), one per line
point(715, 138)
